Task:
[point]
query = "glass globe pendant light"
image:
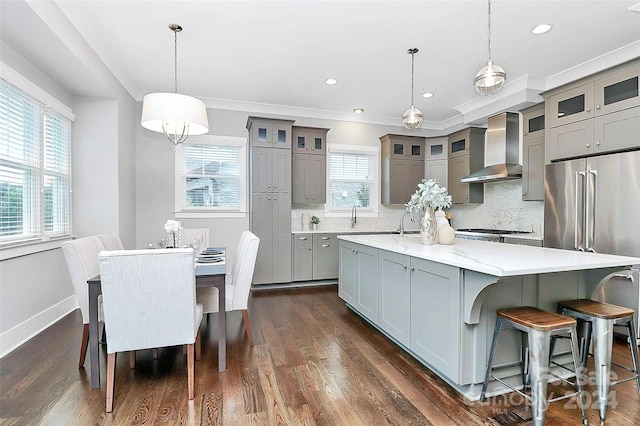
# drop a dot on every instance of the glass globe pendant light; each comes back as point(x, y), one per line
point(412, 118)
point(175, 115)
point(492, 77)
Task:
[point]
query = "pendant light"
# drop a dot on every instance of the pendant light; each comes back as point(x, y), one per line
point(412, 118)
point(490, 78)
point(175, 115)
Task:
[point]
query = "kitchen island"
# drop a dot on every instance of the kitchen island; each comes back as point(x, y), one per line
point(439, 302)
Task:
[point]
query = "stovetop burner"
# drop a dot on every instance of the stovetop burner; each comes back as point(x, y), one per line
point(491, 231)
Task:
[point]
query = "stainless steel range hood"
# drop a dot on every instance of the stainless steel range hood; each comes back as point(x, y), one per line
point(502, 151)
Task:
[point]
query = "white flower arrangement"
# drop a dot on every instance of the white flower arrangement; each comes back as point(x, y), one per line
point(172, 226)
point(429, 195)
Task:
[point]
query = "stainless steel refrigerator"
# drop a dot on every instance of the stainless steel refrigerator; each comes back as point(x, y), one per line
point(593, 204)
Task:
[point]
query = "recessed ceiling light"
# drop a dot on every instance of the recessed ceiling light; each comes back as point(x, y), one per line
point(541, 29)
point(331, 81)
point(358, 110)
point(427, 95)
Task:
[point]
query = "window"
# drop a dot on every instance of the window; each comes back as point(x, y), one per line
point(211, 177)
point(352, 180)
point(35, 168)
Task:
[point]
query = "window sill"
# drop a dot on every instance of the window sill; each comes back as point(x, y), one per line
point(31, 247)
point(210, 215)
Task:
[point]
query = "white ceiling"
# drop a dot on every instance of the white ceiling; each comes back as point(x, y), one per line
point(276, 55)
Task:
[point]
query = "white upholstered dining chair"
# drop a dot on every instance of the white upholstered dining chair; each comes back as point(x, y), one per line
point(149, 301)
point(81, 256)
point(111, 241)
point(237, 282)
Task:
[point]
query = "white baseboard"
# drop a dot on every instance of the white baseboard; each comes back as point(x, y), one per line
point(11, 339)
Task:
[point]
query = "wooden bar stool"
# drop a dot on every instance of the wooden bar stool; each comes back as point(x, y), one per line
point(598, 319)
point(539, 326)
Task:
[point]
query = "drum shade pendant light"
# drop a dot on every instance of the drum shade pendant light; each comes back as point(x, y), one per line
point(412, 118)
point(175, 115)
point(490, 78)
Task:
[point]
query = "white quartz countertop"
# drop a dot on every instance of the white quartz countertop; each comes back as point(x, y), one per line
point(498, 259)
point(350, 231)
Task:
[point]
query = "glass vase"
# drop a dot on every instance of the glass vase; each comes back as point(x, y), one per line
point(429, 228)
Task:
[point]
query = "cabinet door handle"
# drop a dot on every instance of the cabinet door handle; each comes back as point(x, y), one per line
point(326, 245)
point(275, 186)
point(588, 145)
point(355, 251)
point(303, 238)
point(588, 109)
point(597, 106)
point(275, 198)
point(597, 143)
point(404, 266)
point(413, 268)
point(269, 186)
point(326, 238)
point(307, 198)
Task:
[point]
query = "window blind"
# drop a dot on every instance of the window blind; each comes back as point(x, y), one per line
point(34, 169)
point(351, 180)
point(210, 178)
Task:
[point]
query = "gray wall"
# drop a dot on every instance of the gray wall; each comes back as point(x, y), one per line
point(35, 287)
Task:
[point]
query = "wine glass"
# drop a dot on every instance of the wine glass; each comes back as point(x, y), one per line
point(162, 243)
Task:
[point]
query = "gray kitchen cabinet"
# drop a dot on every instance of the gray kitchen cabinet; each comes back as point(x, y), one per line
point(270, 202)
point(435, 316)
point(309, 140)
point(269, 133)
point(270, 170)
point(271, 222)
point(402, 167)
point(309, 182)
point(325, 256)
point(414, 301)
point(438, 170)
point(309, 165)
point(533, 153)
point(595, 115)
point(395, 295)
point(302, 257)
point(466, 155)
point(315, 256)
point(349, 276)
point(358, 284)
point(436, 164)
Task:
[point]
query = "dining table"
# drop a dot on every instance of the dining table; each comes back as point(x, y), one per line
point(207, 275)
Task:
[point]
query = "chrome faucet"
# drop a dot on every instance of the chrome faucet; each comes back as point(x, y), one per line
point(402, 223)
point(353, 216)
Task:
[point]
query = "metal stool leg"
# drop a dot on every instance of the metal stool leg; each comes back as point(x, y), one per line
point(602, 346)
point(584, 339)
point(494, 343)
point(634, 350)
point(539, 345)
point(578, 368)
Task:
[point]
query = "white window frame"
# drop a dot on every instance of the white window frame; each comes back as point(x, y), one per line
point(374, 196)
point(41, 240)
point(203, 213)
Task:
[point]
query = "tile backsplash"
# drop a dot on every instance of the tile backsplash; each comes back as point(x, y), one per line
point(503, 208)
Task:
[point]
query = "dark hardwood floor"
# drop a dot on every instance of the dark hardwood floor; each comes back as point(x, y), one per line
point(314, 363)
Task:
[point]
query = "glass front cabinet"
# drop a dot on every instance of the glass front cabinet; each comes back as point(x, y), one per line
point(600, 114)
